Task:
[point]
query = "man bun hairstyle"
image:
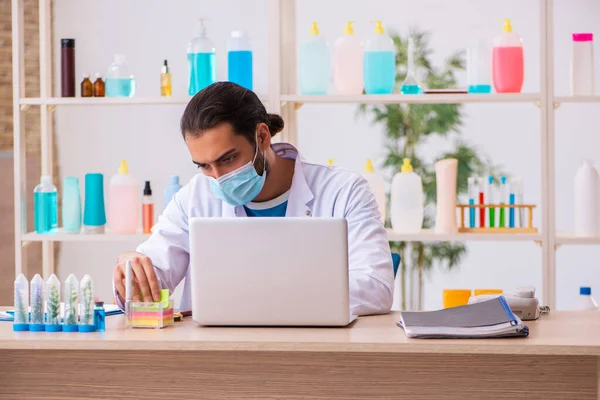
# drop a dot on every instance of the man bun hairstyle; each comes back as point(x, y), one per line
point(227, 102)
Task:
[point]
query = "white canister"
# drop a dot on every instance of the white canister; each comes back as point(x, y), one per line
point(582, 65)
point(587, 208)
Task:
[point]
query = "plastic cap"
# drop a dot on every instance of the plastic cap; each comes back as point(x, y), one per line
point(314, 29)
point(330, 162)
point(507, 26)
point(147, 189)
point(67, 43)
point(85, 76)
point(46, 179)
point(174, 180)
point(406, 167)
point(503, 180)
point(378, 27)
point(583, 37)
point(97, 75)
point(490, 179)
point(119, 58)
point(349, 30)
point(369, 166)
point(585, 291)
point(99, 303)
point(123, 168)
point(202, 29)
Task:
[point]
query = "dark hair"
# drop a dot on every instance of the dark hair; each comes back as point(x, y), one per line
point(231, 103)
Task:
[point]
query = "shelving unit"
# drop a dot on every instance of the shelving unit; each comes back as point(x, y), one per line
point(282, 98)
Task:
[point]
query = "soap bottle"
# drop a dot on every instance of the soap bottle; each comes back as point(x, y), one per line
point(45, 206)
point(172, 188)
point(123, 202)
point(98, 86)
point(119, 82)
point(377, 186)
point(165, 80)
point(86, 86)
point(315, 63)
point(380, 62)
point(348, 63)
point(147, 209)
point(239, 59)
point(201, 61)
point(585, 302)
point(407, 200)
point(410, 84)
point(507, 61)
point(587, 200)
point(71, 205)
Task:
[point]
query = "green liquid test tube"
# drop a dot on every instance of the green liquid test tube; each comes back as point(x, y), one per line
point(490, 199)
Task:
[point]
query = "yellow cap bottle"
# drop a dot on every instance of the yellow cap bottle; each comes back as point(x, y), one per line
point(369, 166)
point(314, 29)
point(406, 167)
point(507, 26)
point(378, 28)
point(123, 168)
point(349, 31)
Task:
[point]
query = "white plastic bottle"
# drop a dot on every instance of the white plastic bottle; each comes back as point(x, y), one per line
point(348, 63)
point(582, 65)
point(377, 186)
point(314, 63)
point(585, 302)
point(587, 207)
point(123, 202)
point(406, 208)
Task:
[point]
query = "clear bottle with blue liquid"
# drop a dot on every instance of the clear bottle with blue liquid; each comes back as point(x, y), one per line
point(45, 206)
point(239, 59)
point(314, 63)
point(478, 68)
point(119, 82)
point(201, 61)
point(379, 62)
point(410, 84)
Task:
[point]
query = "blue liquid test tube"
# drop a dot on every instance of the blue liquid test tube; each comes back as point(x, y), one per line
point(472, 195)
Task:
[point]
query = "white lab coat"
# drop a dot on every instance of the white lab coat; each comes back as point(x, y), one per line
point(316, 190)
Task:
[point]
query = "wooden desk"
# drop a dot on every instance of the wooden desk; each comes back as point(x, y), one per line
point(370, 359)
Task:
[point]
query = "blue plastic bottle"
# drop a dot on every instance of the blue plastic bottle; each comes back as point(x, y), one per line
point(45, 213)
point(380, 62)
point(71, 205)
point(239, 60)
point(201, 62)
point(315, 63)
point(171, 189)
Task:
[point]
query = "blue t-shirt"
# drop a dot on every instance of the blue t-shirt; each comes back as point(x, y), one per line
point(272, 208)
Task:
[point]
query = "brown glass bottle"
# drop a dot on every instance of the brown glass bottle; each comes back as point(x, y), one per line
point(86, 86)
point(99, 86)
point(67, 67)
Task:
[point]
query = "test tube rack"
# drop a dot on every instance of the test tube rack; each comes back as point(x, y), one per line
point(522, 229)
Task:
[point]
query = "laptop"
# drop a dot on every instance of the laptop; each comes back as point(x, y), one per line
point(269, 271)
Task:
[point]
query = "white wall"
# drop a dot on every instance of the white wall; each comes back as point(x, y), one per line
point(95, 139)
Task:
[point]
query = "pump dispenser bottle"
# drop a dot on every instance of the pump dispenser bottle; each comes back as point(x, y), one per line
point(123, 202)
point(348, 63)
point(407, 200)
point(380, 62)
point(201, 61)
point(315, 63)
point(377, 186)
point(507, 61)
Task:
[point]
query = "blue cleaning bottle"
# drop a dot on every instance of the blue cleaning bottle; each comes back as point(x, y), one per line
point(45, 206)
point(380, 62)
point(410, 84)
point(201, 61)
point(314, 63)
point(239, 59)
point(171, 189)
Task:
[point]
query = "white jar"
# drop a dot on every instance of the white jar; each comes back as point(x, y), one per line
point(582, 65)
point(587, 207)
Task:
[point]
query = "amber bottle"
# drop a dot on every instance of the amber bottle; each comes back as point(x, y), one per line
point(98, 86)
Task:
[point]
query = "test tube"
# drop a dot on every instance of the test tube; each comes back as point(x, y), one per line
point(53, 304)
point(519, 200)
point(21, 322)
point(86, 317)
point(37, 304)
point(481, 202)
point(490, 200)
point(71, 300)
point(503, 196)
point(511, 200)
point(472, 196)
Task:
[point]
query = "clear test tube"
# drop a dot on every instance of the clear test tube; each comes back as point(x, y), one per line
point(490, 200)
point(503, 198)
point(519, 200)
point(472, 197)
point(21, 303)
point(482, 185)
point(37, 304)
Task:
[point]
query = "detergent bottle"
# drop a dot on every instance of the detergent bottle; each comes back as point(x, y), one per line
point(507, 61)
point(201, 61)
point(380, 62)
point(315, 63)
point(348, 63)
point(377, 186)
point(407, 199)
point(123, 202)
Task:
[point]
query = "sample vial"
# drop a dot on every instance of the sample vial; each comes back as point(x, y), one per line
point(98, 88)
point(86, 317)
point(165, 80)
point(99, 316)
point(53, 304)
point(86, 86)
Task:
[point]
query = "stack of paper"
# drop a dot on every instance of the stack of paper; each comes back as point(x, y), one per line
point(487, 319)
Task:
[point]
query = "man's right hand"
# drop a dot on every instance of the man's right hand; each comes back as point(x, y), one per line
point(144, 280)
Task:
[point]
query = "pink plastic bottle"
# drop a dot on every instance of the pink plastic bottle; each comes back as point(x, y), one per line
point(507, 61)
point(123, 202)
